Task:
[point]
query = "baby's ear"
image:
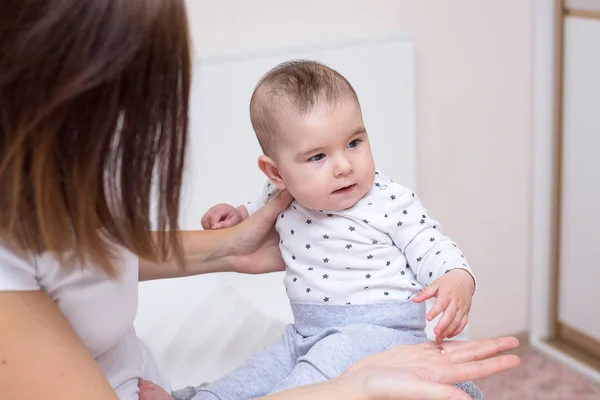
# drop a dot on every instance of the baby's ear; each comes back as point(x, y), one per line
point(269, 168)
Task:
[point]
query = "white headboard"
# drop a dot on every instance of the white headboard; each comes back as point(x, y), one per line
point(201, 327)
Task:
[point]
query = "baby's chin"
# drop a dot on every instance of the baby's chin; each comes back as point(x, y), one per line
point(333, 206)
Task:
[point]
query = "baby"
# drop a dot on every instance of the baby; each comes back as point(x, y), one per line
point(362, 253)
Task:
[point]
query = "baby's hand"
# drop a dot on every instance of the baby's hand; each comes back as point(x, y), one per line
point(453, 293)
point(221, 216)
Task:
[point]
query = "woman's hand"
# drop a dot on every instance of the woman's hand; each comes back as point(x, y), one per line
point(254, 243)
point(251, 247)
point(426, 371)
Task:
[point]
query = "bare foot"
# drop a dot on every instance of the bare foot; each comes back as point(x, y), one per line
point(150, 391)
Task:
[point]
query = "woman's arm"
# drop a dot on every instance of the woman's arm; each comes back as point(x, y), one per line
point(203, 255)
point(331, 389)
point(399, 388)
point(251, 246)
point(41, 355)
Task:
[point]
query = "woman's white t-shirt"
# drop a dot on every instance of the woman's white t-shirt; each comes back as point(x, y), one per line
point(100, 310)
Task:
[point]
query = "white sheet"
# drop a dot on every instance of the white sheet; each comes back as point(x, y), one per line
point(207, 327)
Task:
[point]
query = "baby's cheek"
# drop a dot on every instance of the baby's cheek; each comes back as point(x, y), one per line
point(310, 200)
point(309, 190)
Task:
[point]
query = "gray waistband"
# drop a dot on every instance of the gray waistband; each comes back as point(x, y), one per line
point(312, 318)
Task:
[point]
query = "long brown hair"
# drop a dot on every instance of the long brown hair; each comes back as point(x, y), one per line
point(93, 126)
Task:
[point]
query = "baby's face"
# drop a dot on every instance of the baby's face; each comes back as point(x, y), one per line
point(325, 158)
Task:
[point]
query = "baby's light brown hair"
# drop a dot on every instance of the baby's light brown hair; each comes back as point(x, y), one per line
point(297, 87)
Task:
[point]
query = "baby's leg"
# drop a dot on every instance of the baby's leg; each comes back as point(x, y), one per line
point(330, 352)
point(471, 389)
point(258, 376)
point(331, 338)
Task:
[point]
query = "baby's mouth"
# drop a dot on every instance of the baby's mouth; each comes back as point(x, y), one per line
point(345, 189)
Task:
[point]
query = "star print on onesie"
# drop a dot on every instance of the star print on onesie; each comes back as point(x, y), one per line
point(385, 248)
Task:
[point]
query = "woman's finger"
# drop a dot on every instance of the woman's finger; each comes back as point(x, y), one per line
point(479, 350)
point(273, 208)
point(502, 343)
point(479, 369)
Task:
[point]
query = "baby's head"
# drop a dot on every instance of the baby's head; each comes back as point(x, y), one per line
point(308, 121)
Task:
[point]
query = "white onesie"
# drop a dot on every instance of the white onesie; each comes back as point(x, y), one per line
point(385, 248)
point(350, 277)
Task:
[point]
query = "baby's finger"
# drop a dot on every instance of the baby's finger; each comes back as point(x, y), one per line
point(460, 328)
point(207, 218)
point(440, 305)
point(447, 318)
point(426, 293)
point(228, 222)
point(453, 325)
point(216, 218)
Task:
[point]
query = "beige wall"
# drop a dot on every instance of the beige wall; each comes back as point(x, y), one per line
point(473, 90)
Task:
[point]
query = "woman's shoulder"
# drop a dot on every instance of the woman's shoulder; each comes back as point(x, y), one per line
point(18, 269)
point(21, 270)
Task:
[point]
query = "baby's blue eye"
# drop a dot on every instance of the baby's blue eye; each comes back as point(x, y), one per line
point(354, 144)
point(318, 157)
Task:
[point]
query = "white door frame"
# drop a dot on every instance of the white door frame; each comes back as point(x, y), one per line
point(547, 16)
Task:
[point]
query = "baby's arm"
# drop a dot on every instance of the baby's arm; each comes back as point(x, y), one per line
point(430, 254)
point(435, 259)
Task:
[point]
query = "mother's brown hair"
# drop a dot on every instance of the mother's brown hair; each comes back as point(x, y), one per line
point(93, 105)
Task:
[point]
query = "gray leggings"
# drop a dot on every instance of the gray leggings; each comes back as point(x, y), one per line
point(322, 344)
